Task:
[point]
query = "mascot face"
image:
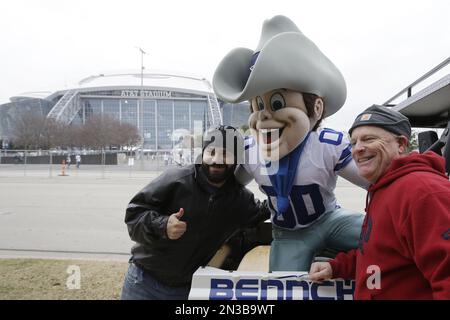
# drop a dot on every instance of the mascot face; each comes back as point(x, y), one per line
point(279, 121)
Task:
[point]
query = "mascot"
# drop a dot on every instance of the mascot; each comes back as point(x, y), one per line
point(291, 86)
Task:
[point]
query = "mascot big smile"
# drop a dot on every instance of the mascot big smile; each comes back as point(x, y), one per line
point(291, 86)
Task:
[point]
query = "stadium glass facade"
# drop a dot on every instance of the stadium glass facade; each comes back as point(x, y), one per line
point(11, 111)
point(235, 114)
point(162, 117)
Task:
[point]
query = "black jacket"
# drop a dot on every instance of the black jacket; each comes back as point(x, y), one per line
point(211, 219)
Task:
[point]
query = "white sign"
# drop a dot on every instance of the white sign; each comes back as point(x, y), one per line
point(215, 284)
point(146, 93)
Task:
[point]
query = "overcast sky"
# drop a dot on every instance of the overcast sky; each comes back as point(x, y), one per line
point(379, 46)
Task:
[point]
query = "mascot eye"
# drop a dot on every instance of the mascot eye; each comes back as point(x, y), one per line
point(259, 103)
point(277, 102)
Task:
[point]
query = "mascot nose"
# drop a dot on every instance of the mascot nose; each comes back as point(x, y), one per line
point(265, 115)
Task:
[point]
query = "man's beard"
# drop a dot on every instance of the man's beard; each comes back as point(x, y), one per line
point(215, 177)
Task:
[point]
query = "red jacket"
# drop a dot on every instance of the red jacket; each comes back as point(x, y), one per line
point(406, 234)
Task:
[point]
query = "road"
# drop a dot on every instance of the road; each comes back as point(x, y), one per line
point(81, 215)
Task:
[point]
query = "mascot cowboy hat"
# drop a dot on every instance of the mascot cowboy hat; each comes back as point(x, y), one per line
point(284, 58)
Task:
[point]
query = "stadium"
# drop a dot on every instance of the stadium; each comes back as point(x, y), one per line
point(161, 105)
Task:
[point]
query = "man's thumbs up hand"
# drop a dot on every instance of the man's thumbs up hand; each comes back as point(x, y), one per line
point(175, 227)
point(179, 214)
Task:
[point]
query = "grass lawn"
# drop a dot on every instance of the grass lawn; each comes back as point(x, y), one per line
point(47, 279)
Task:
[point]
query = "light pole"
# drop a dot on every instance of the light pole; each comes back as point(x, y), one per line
point(141, 104)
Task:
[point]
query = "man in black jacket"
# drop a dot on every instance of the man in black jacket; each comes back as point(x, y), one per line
point(183, 217)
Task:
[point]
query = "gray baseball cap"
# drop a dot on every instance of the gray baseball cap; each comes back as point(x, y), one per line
point(385, 118)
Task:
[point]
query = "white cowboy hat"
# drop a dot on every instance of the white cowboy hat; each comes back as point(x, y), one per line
point(284, 58)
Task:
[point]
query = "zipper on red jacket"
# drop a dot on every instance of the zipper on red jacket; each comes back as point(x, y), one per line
point(368, 198)
point(365, 223)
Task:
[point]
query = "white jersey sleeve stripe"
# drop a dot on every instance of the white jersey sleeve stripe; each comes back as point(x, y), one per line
point(345, 158)
point(346, 152)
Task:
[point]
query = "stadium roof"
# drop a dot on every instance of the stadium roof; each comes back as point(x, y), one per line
point(30, 95)
point(159, 80)
point(174, 81)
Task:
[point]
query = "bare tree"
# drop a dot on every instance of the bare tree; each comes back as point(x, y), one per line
point(127, 135)
point(51, 134)
point(71, 136)
point(413, 141)
point(27, 131)
point(100, 132)
point(106, 131)
point(92, 134)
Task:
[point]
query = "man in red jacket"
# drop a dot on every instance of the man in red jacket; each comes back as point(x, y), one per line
point(404, 247)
